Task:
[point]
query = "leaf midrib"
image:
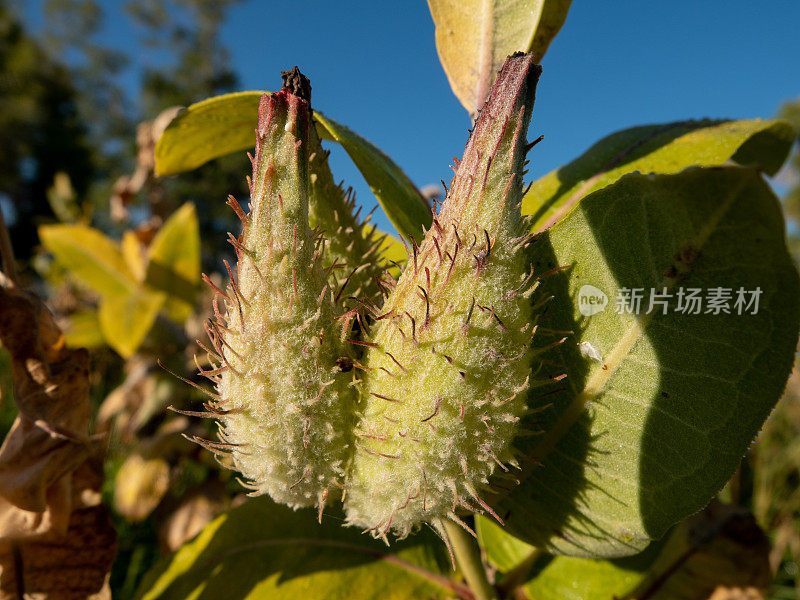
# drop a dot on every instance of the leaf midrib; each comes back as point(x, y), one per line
point(600, 378)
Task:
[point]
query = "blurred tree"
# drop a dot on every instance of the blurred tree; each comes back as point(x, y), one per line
point(41, 132)
point(195, 65)
point(180, 60)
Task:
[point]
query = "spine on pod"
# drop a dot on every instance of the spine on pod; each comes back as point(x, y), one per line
point(353, 249)
point(352, 254)
point(286, 402)
point(448, 365)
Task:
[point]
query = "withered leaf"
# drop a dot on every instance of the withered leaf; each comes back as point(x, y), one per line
point(73, 566)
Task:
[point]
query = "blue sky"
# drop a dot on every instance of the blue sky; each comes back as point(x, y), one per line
point(373, 66)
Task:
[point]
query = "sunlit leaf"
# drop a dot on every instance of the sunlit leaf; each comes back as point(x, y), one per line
point(90, 257)
point(262, 550)
point(132, 253)
point(174, 261)
point(84, 330)
point(400, 199)
point(126, 318)
point(474, 37)
point(656, 410)
point(667, 148)
point(503, 550)
point(225, 124)
point(206, 130)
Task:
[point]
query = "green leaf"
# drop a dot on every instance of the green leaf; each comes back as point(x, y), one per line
point(656, 410)
point(568, 578)
point(174, 261)
point(667, 148)
point(547, 577)
point(226, 124)
point(474, 37)
point(261, 550)
point(399, 198)
point(90, 257)
point(126, 318)
point(502, 549)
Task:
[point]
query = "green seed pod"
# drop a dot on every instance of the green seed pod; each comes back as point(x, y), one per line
point(352, 254)
point(448, 365)
point(353, 250)
point(286, 401)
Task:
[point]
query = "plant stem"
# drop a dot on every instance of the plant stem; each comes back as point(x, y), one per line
point(469, 561)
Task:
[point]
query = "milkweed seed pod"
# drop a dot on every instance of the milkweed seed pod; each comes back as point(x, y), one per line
point(352, 253)
point(286, 404)
point(448, 365)
point(353, 249)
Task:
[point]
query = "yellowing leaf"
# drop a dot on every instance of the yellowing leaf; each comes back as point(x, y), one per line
point(90, 256)
point(474, 37)
point(132, 253)
point(665, 148)
point(84, 330)
point(225, 124)
point(174, 261)
point(206, 130)
point(126, 318)
point(140, 485)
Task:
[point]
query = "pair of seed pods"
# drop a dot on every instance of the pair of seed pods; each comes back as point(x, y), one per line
point(414, 432)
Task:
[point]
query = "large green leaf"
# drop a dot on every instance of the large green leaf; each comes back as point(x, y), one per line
point(400, 200)
point(226, 124)
point(656, 410)
point(667, 148)
point(263, 550)
point(474, 37)
point(569, 578)
point(126, 318)
point(547, 577)
point(174, 261)
point(721, 546)
point(90, 257)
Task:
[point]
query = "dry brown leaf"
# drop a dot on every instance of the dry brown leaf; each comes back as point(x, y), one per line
point(74, 566)
point(56, 540)
point(127, 186)
point(49, 438)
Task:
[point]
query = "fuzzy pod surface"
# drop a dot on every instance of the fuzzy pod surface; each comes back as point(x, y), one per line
point(352, 253)
point(286, 407)
point(448, 364)
point(353, 249)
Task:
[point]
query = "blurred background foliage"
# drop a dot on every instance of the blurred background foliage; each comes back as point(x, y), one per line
point(118, 253)
point(119, 256)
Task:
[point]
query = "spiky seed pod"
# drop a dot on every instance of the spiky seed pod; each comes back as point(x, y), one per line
point(287, 404)
point(353, 249)
point(352, 254)
point(448, 369)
